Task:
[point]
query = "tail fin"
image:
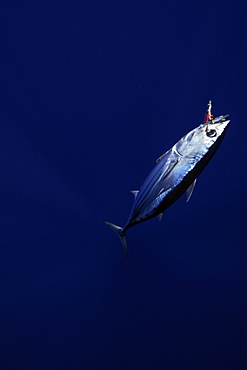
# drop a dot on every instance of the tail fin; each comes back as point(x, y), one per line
point(121, 234)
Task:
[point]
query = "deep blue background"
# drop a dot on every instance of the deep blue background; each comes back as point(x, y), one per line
point(92, 93)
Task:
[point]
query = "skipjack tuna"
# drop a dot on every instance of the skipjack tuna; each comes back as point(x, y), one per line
point(175, 173)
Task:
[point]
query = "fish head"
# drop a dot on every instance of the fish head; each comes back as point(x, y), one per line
point(202, 138)
point(215, 129)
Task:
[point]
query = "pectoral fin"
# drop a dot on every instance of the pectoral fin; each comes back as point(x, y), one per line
point(189, 191)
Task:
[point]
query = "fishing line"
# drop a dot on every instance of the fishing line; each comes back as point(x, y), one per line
point(218, 62)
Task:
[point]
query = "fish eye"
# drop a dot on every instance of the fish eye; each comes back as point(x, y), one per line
point(211, 133)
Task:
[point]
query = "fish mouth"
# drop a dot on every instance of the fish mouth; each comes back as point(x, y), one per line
point(220, 119)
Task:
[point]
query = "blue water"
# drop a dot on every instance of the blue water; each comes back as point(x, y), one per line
point(92, 93)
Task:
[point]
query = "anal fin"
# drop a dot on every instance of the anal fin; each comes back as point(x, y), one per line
point(160, 216)
point(189, 191)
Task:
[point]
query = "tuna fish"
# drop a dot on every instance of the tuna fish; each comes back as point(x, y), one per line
point(175, 173)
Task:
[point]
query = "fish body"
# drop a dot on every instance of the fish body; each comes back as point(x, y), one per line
point(175, 173)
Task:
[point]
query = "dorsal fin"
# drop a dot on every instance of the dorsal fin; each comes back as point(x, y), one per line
point(134, 192)
point(157, 160)
point(189, 191)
